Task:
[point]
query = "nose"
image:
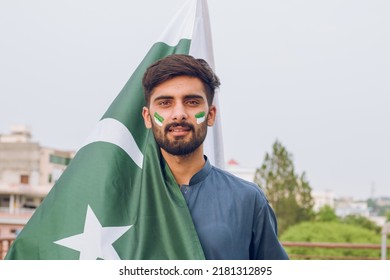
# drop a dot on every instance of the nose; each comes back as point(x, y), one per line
point(179, 113)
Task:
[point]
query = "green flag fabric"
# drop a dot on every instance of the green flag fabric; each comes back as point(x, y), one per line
point(117, 199)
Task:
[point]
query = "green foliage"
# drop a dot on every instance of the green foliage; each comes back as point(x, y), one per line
point(288, 193)
point(379, 206)
point(332, 232)
point(362, 222)
point(326, 214)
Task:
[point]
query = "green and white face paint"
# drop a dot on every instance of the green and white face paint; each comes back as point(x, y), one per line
point(200, 117)
point(158, 119)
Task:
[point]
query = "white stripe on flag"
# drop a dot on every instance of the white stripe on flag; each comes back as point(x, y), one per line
point(114, 132)
point(181, 26)
point(202, 47)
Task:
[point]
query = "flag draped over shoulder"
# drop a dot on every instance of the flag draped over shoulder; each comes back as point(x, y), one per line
point(118, 199)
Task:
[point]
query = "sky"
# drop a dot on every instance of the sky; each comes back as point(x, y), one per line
point(314, 75)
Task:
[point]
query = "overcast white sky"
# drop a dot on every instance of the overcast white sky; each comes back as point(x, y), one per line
point(312, 74)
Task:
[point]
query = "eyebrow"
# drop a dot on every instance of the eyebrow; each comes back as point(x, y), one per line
point(162, 97)
point(189, 96)
point(193, 96)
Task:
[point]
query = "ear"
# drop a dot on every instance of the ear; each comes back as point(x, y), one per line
point(211, 115)
point(146, 116)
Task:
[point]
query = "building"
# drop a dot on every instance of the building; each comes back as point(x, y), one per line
point(349, 206)
point(245, 173)
point(27, 173)
point(322, 198)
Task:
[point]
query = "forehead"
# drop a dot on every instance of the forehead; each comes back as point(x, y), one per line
point(179, 87)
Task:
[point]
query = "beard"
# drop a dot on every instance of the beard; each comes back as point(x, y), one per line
point(179, 146)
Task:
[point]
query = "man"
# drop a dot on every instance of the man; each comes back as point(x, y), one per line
point(232, 217)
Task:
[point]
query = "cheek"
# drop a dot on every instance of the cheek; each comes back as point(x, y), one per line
point(200, 117)
point(158, 119)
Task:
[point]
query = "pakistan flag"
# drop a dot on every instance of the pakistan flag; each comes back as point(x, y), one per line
point(118, 199)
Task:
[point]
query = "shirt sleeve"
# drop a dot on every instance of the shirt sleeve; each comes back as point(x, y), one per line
point(265, 244)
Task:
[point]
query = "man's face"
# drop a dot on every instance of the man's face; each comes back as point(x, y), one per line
point(179, 115)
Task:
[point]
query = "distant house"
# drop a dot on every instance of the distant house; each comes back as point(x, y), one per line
point(383, 201)
point(245, 173)
point(349, 206)
point(27, 173)
point(323, 198)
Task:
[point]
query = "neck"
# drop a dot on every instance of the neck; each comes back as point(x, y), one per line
point(184, 167)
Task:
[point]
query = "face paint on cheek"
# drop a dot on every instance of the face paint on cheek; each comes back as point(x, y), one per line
point(158, 119)
point(200, 117)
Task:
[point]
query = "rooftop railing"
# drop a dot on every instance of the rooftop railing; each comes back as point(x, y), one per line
point(342, 246)
point(5, 243)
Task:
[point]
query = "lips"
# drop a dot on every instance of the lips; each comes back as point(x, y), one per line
point(178, 130)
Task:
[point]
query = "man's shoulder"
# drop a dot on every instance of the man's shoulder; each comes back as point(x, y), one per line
point(229, 179)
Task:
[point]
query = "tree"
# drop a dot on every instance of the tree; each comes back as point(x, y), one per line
point(379, 206)
point(288, 193)
point(362, 222)
point(326, 214)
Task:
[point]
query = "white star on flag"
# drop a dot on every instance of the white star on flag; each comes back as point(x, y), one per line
point(96, 241)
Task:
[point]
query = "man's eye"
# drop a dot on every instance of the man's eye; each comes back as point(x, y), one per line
point(192, 102)
point(163, 103)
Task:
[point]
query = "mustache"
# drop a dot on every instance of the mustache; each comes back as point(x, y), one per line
point(183, 124)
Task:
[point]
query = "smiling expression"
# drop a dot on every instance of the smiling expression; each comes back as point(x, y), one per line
point(181, 103)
